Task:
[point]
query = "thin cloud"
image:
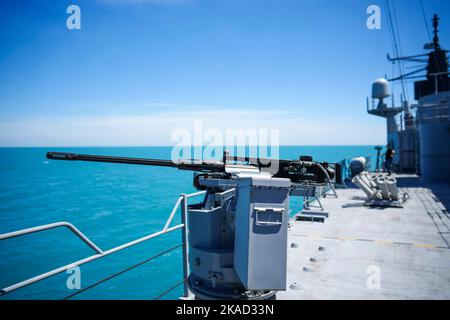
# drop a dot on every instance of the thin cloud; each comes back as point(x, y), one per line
point(157, 129)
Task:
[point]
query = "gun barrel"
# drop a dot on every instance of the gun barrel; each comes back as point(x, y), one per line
point(109, 159)
point(184, 165)
point(296, 170)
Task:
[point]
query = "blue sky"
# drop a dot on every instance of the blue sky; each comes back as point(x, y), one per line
point(139, 69)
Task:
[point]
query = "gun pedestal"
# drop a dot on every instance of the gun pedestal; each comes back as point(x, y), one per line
point(238, 238)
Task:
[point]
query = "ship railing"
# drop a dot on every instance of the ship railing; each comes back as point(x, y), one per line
point(437, 76)
point(182, 202)
point(312, 194)
point(370, 102)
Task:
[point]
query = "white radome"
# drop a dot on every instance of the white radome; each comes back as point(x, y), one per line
point(380, 89)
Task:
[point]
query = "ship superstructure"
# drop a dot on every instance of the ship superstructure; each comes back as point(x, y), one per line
point(422, 141)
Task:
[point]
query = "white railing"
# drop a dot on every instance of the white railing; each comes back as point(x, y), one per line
point(181, 201)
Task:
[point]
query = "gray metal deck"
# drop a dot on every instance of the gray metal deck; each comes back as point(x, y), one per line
point(407, 247)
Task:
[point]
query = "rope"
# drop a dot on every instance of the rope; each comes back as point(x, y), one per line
point(396, 46)
point(122, 272)
point(425, 19)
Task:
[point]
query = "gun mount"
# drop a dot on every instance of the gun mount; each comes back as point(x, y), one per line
point(237, 239)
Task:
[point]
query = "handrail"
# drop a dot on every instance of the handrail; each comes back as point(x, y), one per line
point(44, 227)
point(195, 194)
point(82, 261)
point(100, 253)
point(172, 214)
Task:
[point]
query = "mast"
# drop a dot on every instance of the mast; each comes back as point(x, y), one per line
point(437, 76)
point(435, 32)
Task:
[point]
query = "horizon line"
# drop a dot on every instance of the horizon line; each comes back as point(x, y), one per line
point(194, 146)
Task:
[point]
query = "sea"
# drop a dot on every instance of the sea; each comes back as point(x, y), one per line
point(111, 204)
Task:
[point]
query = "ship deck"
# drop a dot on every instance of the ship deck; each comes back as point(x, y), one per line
point(360, 252)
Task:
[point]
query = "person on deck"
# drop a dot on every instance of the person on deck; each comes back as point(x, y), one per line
point(389, 156)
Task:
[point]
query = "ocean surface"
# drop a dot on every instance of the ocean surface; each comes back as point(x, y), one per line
point(111, 204)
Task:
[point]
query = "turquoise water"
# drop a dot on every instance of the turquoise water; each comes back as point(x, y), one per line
point(110, 203)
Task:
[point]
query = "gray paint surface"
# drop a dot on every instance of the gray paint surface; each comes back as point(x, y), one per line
point(409, 247)
point(260, 247)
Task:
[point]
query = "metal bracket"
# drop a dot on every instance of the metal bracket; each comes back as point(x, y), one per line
point(259, 210)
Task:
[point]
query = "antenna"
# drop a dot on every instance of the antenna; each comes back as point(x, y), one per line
point(435, 32)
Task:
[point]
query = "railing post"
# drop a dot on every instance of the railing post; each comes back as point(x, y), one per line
point(184, 240)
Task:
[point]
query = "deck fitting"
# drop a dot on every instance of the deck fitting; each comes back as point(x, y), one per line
point(295, 286)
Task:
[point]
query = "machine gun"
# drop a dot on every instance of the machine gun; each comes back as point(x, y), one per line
point(237, 235)
point(304, 170)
